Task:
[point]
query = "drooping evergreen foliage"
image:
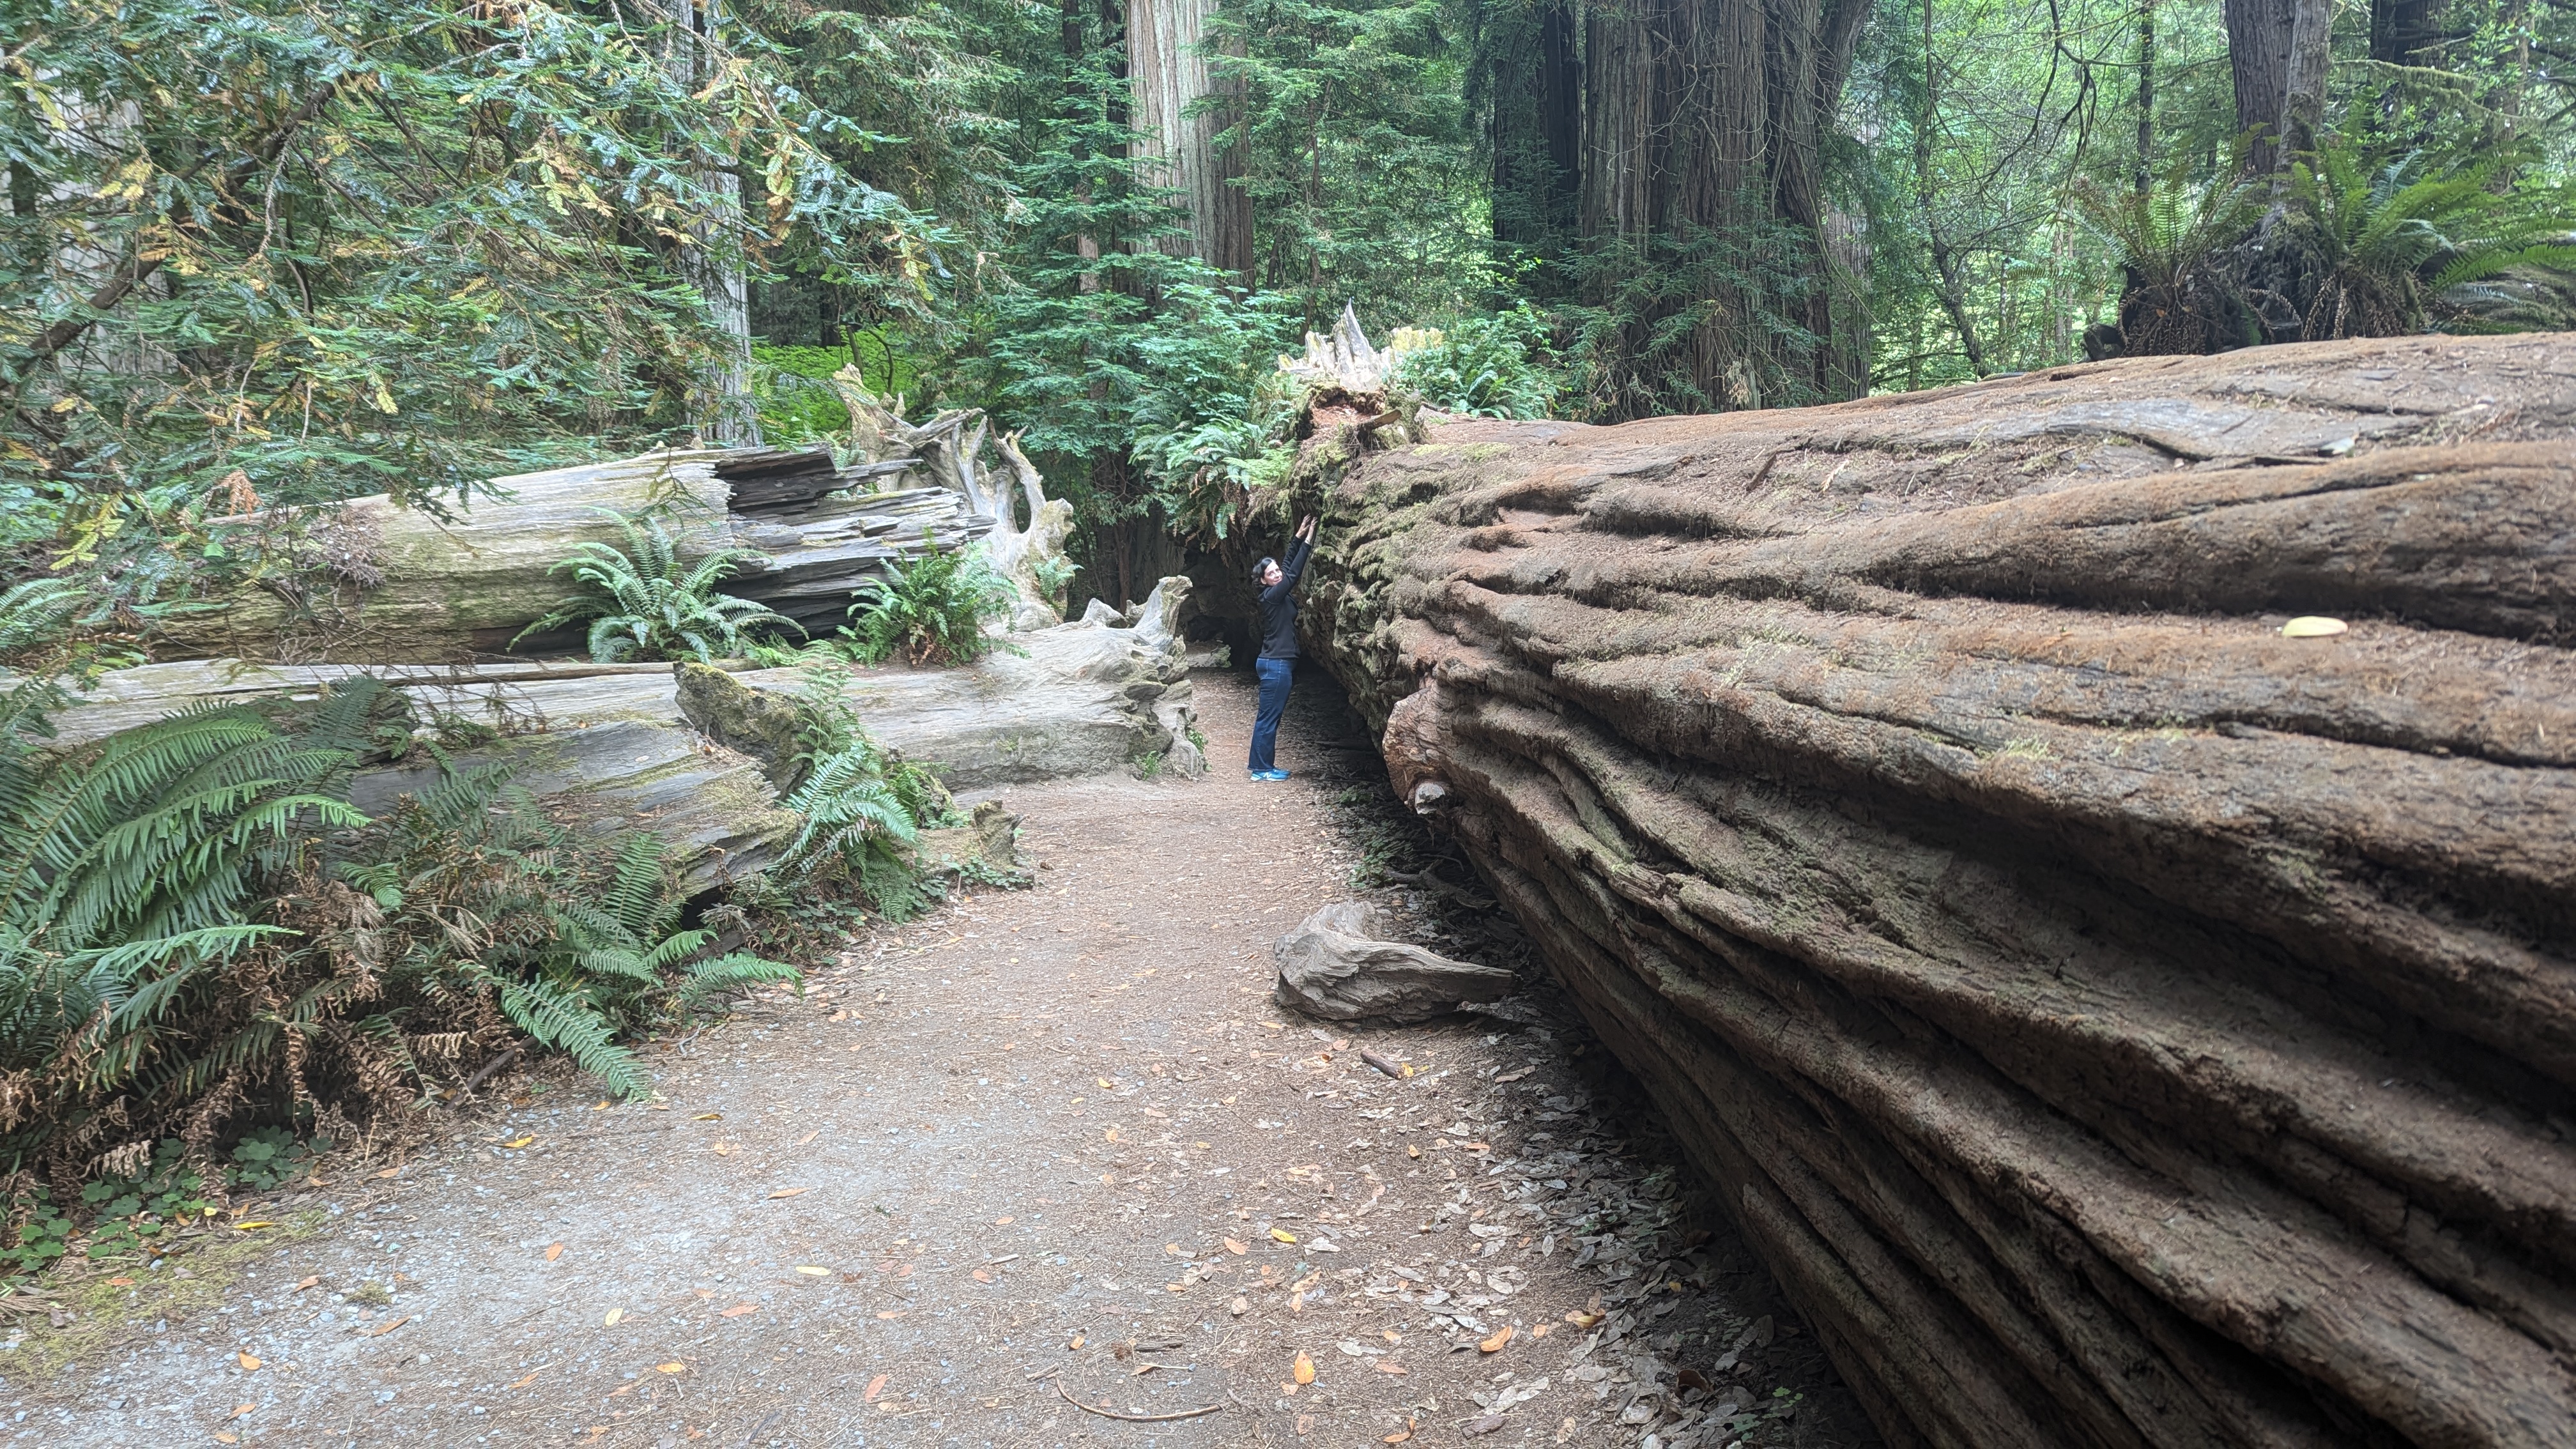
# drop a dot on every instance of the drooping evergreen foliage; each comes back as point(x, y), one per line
point(286, 252)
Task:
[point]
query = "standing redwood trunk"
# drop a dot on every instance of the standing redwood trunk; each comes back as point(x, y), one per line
point(1534, 124)
point(714, 265)
point(2258, 58)
point(1701, 131)
point(1168, 67)
point(2406, 32)
point(2120, 1021)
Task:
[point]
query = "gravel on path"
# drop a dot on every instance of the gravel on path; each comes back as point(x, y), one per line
point(1038, 1159)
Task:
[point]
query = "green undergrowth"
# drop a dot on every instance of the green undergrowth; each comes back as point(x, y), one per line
point(214, 967)
point(189, 1269)
point(863, 810)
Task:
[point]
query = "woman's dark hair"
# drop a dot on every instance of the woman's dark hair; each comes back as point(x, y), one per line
point(1261, 570)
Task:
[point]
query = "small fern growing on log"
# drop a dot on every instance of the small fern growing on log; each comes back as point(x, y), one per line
point(651, 604)
point(862, 809)
point(930, 611)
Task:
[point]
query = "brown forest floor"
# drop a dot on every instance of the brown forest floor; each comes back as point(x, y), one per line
point(1037, 1144)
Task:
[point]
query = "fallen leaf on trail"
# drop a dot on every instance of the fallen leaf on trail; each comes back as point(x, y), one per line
point(390, 1172)
point(893, 1312)
point(875, 1387)
point(553, 1251)
point(1385, 1367)
point(739, 1309)
point(614, 1314)
point(530, 1379)
point(708, 1117)
point(1539, 1330)
point(252, 1225)
point(308, 1282)
point(227, 1438)
point(810, 1136)
point(2313, 626)
point(1283, 1235)
point(810, 1271)
point(1582, 1319)
point(520, 1141)
point(1502, 1335)
point(1104, 1083)
point(983, 1277)
point(1398, 1437)
point(1237, 1248)
point(600, 1106)
point(388, 1328)
point(1513, 1076)
point(120, 1282)
point(788, 1192)
point(1305, 1422)
point(1001, 1222)
point(673, 1367)
point(247, 1361)
point(1143, 1369)
point(241, 1409)
point(1304, 1369)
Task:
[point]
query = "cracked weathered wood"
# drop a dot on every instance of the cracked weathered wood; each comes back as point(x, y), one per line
point(2115, 1022)
point(426, 588)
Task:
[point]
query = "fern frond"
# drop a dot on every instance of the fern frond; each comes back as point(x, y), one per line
point(728, 973)
point(564, 1021)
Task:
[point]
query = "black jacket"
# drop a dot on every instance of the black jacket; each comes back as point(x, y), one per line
point(1278, 610)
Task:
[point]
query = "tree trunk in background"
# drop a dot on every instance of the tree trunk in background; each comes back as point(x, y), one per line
point(2258, 56)
point(714, 266)
point(2303, 92)
point(1948, 284)
point(1535, 124)
point(1169, 73)
point(2116, 1024)
point(1701, 126)
point(2406, 32)
point(2146, 96)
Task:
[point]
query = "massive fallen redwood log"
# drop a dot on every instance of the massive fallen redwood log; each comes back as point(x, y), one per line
point(2116, 1022)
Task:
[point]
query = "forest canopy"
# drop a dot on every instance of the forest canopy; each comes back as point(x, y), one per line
point(282, 252)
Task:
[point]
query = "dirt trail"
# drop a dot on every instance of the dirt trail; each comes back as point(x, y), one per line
point(1040, 1146)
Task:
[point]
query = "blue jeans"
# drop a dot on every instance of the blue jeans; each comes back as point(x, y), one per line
point(1274, 703)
